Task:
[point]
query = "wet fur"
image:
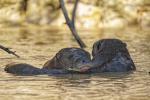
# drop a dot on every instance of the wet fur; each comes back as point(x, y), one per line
point(107, 55)
point(60, 63)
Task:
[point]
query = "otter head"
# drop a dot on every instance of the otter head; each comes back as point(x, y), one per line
point(110, 52)
point(73, 59)
point(108, 46)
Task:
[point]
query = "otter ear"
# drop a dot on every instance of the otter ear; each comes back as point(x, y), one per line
point(96, 47)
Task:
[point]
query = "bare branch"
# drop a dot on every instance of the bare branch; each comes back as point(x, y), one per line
point(9, 51)
point(70, 23)
point(62, 5)
point(74, 12)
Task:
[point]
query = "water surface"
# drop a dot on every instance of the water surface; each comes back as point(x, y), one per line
point(37, 45)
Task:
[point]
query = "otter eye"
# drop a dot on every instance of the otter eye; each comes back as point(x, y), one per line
point(83, 61)
point(80, 60)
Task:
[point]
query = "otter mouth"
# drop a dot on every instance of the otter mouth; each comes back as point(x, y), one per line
point(82, 68)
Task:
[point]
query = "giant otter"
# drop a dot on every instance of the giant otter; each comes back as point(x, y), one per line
point(111, 55)
point(66, 60)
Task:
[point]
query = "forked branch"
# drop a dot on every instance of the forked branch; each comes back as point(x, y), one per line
point(71, 22)
point(9, 51)
point(74, 12)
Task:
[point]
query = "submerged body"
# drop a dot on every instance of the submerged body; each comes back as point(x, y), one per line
point(66, 60)
point(111, 55)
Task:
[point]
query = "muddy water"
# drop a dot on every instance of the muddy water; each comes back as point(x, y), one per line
point(37, 45)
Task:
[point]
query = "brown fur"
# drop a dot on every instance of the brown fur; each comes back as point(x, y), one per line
point(106, 49)
point(66, 59)
point(52, 64)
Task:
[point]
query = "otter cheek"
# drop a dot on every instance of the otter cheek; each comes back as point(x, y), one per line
point(84, 69)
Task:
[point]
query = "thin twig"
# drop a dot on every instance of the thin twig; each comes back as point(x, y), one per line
point(9, 51)
point(74, 12)
point(70, 23)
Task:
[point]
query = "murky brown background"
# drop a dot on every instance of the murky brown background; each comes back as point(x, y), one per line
point(36, 45)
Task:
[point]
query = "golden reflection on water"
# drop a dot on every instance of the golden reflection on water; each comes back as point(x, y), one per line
point(36, 46)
